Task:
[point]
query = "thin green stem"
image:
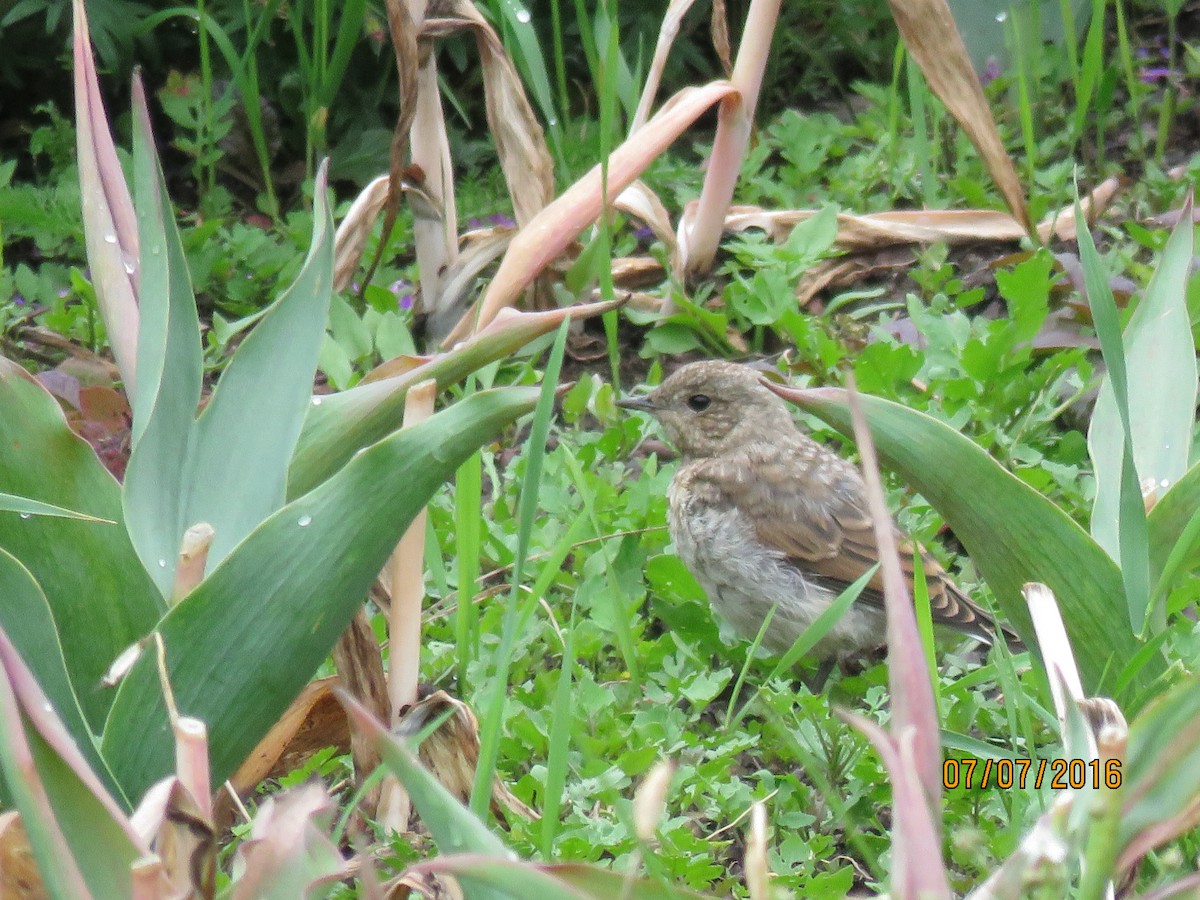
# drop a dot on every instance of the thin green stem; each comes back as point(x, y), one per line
point(207, 164)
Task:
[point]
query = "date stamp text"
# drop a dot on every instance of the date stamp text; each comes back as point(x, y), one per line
point(1007, 774)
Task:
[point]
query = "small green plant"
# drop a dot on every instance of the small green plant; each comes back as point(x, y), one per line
point(202, 122)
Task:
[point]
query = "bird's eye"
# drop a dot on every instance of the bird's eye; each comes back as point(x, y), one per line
point(698, 402)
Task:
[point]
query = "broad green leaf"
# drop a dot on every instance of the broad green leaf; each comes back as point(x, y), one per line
point(1147, 403)
point(26, 619)
point(243, 644)
point(1174, 537)
point(1161, 770)
point(1012, 533)
point(1160, 360)
point(157, 479)
point(246, 436)
point(78, 833)
point(26, 508)
point(229, 467)
point(100, 596)
point(338, 425)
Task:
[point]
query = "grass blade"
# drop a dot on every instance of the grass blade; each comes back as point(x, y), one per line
point(489, 731)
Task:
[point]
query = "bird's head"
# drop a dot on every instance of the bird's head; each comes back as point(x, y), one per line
point(713, 407)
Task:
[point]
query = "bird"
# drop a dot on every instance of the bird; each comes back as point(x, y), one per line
point(766, 518)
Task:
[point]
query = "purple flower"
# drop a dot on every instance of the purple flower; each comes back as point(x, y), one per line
point(644, 234)
point(991, 71)
point(403, 292)
point(18, 300)
point(499, 220)
point(1147, 56)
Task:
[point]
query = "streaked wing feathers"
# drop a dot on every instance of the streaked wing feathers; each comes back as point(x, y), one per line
point(810, 505)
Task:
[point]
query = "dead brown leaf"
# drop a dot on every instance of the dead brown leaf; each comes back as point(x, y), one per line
point(520, 141)
point(359, 665)
point(451, 752)
point(403, 29)
point(183, 838)
point(932, 39)
point(289, 843)
point(719, 26)
point(667, 32)
point(355, 227)
point(639, 201)
point(313, 721)
point(19, 877)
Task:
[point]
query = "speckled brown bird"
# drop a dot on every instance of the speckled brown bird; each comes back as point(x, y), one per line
point(763, 515)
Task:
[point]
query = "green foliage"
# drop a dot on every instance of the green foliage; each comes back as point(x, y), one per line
point(202, 122)
point(574, 611)
point(108, 597)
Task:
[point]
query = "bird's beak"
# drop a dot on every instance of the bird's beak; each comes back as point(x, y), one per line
point(641, 404)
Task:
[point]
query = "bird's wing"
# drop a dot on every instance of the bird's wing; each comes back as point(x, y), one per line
point(811, 506)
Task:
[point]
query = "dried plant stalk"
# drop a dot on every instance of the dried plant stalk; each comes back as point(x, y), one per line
point(404, 577)
point(405, 580)
point(536, 245)
point(191, 762)
point(193, 557)
point(699, 239)
point(110, 225)
point(755, 864)
point(667, 32)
